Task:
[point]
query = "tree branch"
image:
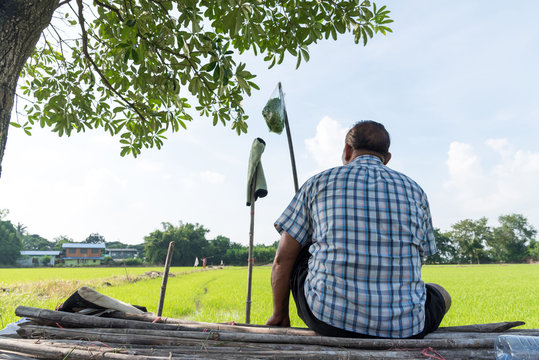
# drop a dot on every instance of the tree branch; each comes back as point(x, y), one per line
point(131, 6)
point(95, 37)
point(160, 5)
point(111, 8)
point(180, 55)
point(63, 3)
point(126, 9)
point(94, 65)
point(60, 42)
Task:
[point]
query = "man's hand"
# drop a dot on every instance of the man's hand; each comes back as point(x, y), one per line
point(276, 320)
point(280, 279)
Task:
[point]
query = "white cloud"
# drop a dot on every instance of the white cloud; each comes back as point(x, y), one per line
point(327, 144)
point(481, 187)
point(462, 162)
point(212, 177)
point(138, 205)
point(501, 146)
point(150, 166)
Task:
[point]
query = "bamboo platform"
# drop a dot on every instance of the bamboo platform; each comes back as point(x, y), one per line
point(121, 336)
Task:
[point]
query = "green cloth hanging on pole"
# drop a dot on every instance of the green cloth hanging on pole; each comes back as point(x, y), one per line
point(255, 172)
point(256, 187)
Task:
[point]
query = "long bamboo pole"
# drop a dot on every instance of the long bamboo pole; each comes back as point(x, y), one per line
point(82, 351)
point(238, 348)
point(88, 350)
point(165, 279)
point(250, 260)
point(259, 329)
point(161, 337)
point(51, 352)
point(443, 332)
point(33, 331)
point(492, 327)
point(78, 320)
point(475, 332)
point(289, 137)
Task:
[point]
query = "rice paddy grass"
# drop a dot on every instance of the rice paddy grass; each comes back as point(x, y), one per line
point(489, 293)
point(30, 275)
point(480, 293)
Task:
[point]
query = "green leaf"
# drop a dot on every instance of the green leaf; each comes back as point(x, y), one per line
point(134, 55)
point(210, 66)
point(216, 73)
point(341, 28)
point(364, 36)
point(127, 55)
point(305, 53)
point(369, 31)
point(182, 124)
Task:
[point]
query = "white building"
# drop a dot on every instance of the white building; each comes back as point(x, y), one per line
point(121, 254)
point(35, 258)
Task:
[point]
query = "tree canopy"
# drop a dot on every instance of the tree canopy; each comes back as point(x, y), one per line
point(10, 244)
point(190, 243)
point(36, 242)
point(474, 241)
point(94, 238)
point(137, 68)
point(471, 237)
point(512, 237)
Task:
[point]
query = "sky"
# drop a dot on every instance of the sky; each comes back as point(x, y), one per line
point(455, 84)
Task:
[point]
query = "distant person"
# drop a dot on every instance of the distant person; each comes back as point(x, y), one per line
point(351, 248)
point(204, 261)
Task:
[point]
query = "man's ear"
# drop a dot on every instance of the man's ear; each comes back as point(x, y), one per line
point(387, 158)
point(347, 153)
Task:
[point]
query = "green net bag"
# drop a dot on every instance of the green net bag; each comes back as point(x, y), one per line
point(273, 112)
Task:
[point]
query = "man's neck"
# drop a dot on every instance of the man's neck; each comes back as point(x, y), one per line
point(361, 152)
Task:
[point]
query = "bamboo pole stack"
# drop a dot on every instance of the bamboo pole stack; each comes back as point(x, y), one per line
point(63, 335)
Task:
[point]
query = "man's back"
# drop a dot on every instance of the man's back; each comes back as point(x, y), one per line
point(369, 227)
point(351, 246)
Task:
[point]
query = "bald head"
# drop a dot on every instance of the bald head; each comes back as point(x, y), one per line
point(368, 137)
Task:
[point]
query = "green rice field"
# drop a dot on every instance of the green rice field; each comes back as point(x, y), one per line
point(481, 293)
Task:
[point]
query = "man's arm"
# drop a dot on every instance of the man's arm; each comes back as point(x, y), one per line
point(286, 255)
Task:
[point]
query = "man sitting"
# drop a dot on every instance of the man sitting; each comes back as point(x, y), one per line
point(352, 242)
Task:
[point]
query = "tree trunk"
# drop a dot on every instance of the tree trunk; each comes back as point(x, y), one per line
point(21, 24)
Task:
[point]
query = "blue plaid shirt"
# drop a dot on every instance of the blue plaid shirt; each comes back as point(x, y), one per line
point(370, 227)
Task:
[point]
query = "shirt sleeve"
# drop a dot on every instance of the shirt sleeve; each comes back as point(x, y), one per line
point(296, 220)
point(428, 243)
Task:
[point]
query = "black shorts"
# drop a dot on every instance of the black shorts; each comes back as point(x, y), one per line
point(434, 305)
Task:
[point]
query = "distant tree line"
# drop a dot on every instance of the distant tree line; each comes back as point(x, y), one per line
point(189, 239)
point(15, 238)
point(10, 243)
point(474, 242)
point(190, 243)
point(468, 241)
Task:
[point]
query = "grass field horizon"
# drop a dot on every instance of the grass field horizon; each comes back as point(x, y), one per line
point(481, 293)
